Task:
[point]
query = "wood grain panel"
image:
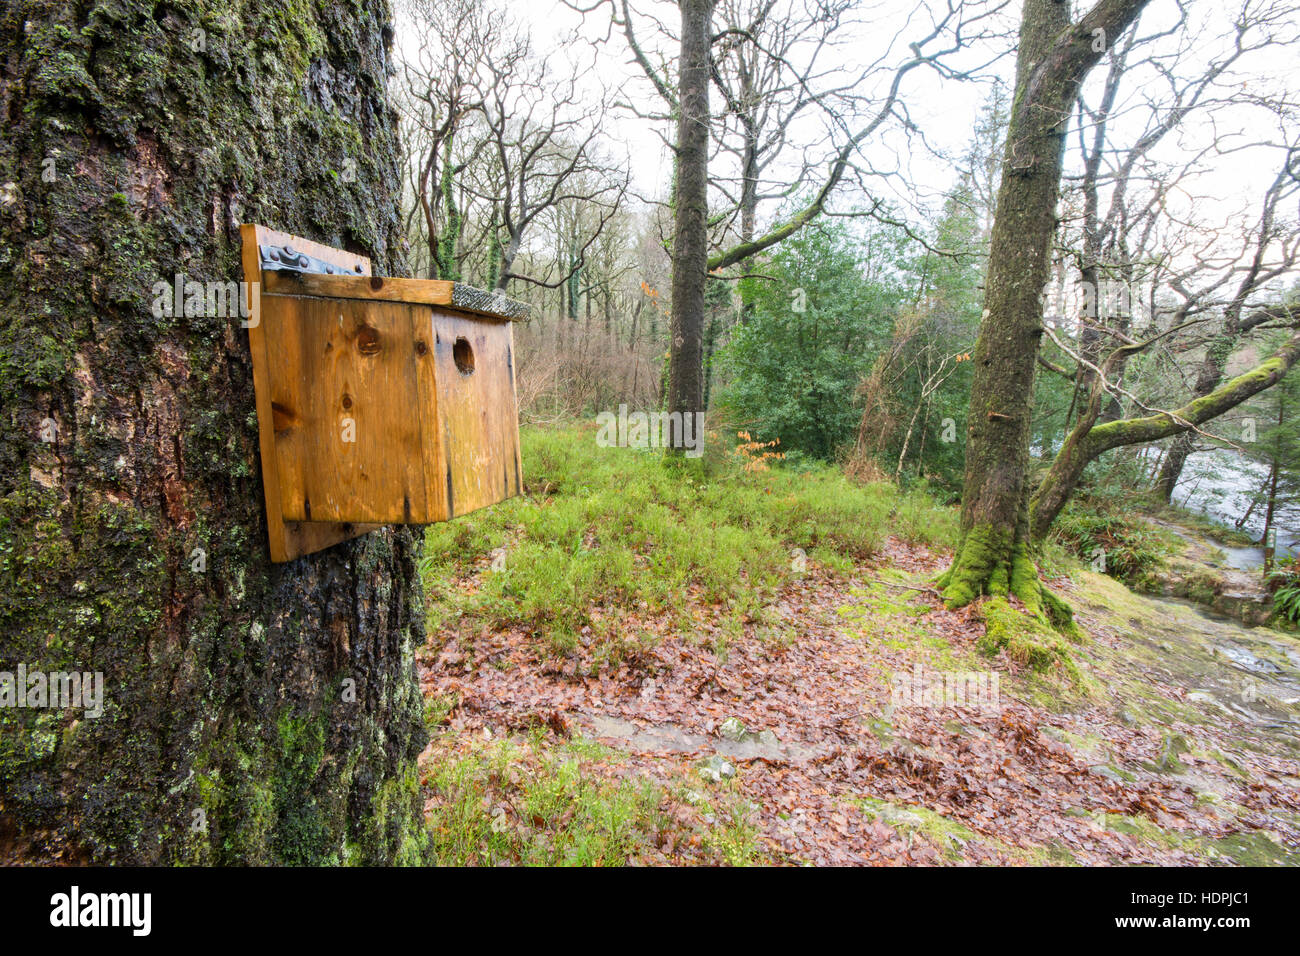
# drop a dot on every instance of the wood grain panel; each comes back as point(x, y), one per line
point(287, 540)
point(477, 412)
point(349, 422)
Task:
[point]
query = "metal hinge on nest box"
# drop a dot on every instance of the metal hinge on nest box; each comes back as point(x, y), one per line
point(288, 259)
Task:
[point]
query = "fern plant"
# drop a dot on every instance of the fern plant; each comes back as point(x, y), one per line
point(1284, 582)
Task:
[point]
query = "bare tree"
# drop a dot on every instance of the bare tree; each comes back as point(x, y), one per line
point(442, 94)
point(1137, 242)
point(1260, 268)
point(543, 132)
point(748, 59)
point(494, 125)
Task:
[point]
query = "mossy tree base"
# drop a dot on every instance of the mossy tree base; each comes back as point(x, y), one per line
point(1028, 639)
point(990, 563)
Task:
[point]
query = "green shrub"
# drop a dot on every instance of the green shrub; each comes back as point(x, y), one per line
point(816, 322)
point(1284, 582)
point(1123, 547)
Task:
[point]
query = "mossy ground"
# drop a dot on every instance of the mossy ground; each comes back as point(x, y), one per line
point(1022, 617)
point(1025, 637)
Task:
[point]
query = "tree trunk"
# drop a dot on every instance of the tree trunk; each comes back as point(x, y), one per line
point(1053, 57)
point(1180, 449)
point(1208, 378)
point(507, 260)
point(748, 209)
point(448, 244)
point(1266, 541)
point(1275, 468)
point(252, 713)
point(690, 226)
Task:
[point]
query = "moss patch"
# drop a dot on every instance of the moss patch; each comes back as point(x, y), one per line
point(1025, 638)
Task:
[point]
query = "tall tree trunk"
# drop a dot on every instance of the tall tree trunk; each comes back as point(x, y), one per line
point(1171, 471)
point(1266, 541)
point(690, 227)
point(448, 244)
point(1274, 470)
point(748, 207)
point(1053, 57)
point(252, 713)
point(710, 347)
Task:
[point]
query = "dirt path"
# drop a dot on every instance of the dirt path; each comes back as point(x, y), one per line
point(1180, 746)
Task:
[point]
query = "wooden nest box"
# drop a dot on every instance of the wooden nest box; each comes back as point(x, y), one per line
point(379, 400)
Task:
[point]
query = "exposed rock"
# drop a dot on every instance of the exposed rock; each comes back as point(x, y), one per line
point(716, 769)
point(733, 729)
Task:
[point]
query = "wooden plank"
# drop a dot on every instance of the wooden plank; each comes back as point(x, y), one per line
point(511, 414)
point(477, 414)
point(287, 540)
point(433, 458)
point(439, 292)
point(347, 413)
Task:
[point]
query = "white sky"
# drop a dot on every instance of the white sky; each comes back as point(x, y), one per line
point(945, 110)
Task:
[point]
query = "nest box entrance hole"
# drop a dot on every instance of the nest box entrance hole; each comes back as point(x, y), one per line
point(463, 355)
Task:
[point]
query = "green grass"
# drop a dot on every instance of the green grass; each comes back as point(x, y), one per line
point(646, 538)
point(528, 802)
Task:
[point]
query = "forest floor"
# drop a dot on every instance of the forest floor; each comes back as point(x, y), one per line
point(640, 664)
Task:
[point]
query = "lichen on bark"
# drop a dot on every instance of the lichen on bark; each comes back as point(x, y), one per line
point(254, 713)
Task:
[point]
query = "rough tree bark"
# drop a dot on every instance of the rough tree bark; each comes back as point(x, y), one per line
point(1053, 57)
point(252, 713)
point(691, 209)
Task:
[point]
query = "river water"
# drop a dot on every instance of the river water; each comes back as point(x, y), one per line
point(1219, 484)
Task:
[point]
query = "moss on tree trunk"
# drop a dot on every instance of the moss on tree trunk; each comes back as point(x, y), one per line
point(1053, 56)
point(1088, 441)
point(252, 713)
